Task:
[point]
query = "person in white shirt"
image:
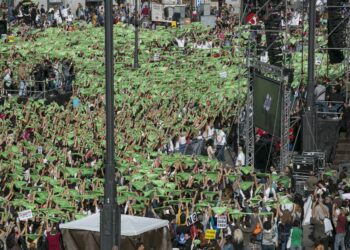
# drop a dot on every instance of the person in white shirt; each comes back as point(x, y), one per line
point(64, 12)
point(240, 161)
point(182, 142)
point(69, 19)
point(7, 80)
point(211, 131)
point(171, 147)
point(220, 144)
point(57, 17)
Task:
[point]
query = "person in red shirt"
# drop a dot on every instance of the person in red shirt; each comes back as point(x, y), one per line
point(340, 230)
point(53, 238)
point(145, 11)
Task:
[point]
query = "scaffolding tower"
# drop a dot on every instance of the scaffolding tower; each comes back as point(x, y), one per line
point(256, 52)
point(345, 65)
point(257, 48)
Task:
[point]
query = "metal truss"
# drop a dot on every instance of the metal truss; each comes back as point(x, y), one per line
point(272, 71)
point(285, 126)
point(346, 50)
point(249, 119)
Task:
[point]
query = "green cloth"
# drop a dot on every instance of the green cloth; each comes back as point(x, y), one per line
point(297, 236)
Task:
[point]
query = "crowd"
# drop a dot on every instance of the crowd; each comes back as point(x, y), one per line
point(51, 156)
point(262, 210)
point(330, 98)
point(47, 178)
point(38, 17)
point(51, 77)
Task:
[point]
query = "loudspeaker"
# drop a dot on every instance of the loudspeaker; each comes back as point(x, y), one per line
point(3, 27)
point(274, 40)
point(303, 164)
point(320, 159)
point(336, 26)
point(176, 17)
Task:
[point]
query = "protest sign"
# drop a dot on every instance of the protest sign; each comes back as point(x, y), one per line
point(156, 57)
point(318, 61)
point(210, 234)
point(157, 12)
point(223, 74)
point(192, 219)
point(25, 215)
point(222, 221)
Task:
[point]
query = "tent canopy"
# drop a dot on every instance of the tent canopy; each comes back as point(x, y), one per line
point(130, 225)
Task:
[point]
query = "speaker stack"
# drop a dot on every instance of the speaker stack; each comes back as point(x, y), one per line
point(3, 27)
point(306, 162)
point(272, 21)
point(336, 26)
point(302, 165)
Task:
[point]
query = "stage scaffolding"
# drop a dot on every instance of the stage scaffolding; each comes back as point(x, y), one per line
point(256, 50)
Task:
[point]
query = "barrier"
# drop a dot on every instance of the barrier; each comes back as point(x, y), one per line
point(32, 90)
point(329, 108)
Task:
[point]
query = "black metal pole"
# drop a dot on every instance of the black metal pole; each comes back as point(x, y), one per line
point(309, 119)
point(136, 46)
point(109, 216)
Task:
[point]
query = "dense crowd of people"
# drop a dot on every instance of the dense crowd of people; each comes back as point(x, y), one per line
point(55, 169)
point(263, 210)
point(39, 17)
point(51, 77)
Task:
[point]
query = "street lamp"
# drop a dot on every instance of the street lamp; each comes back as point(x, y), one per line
point(136, 43)
point(110, 216)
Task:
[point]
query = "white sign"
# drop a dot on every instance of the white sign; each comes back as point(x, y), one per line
point(223, 74)
point(222, 221)
point(25, 215)
point(192, 219)
point(157, 12)
point(318, 61)
point(156, 57)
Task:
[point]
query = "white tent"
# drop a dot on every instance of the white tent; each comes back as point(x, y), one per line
point(131, 225)
point(84, 233)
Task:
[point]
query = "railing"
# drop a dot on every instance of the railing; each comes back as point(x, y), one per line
point(329, 108)
point(31, 90)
